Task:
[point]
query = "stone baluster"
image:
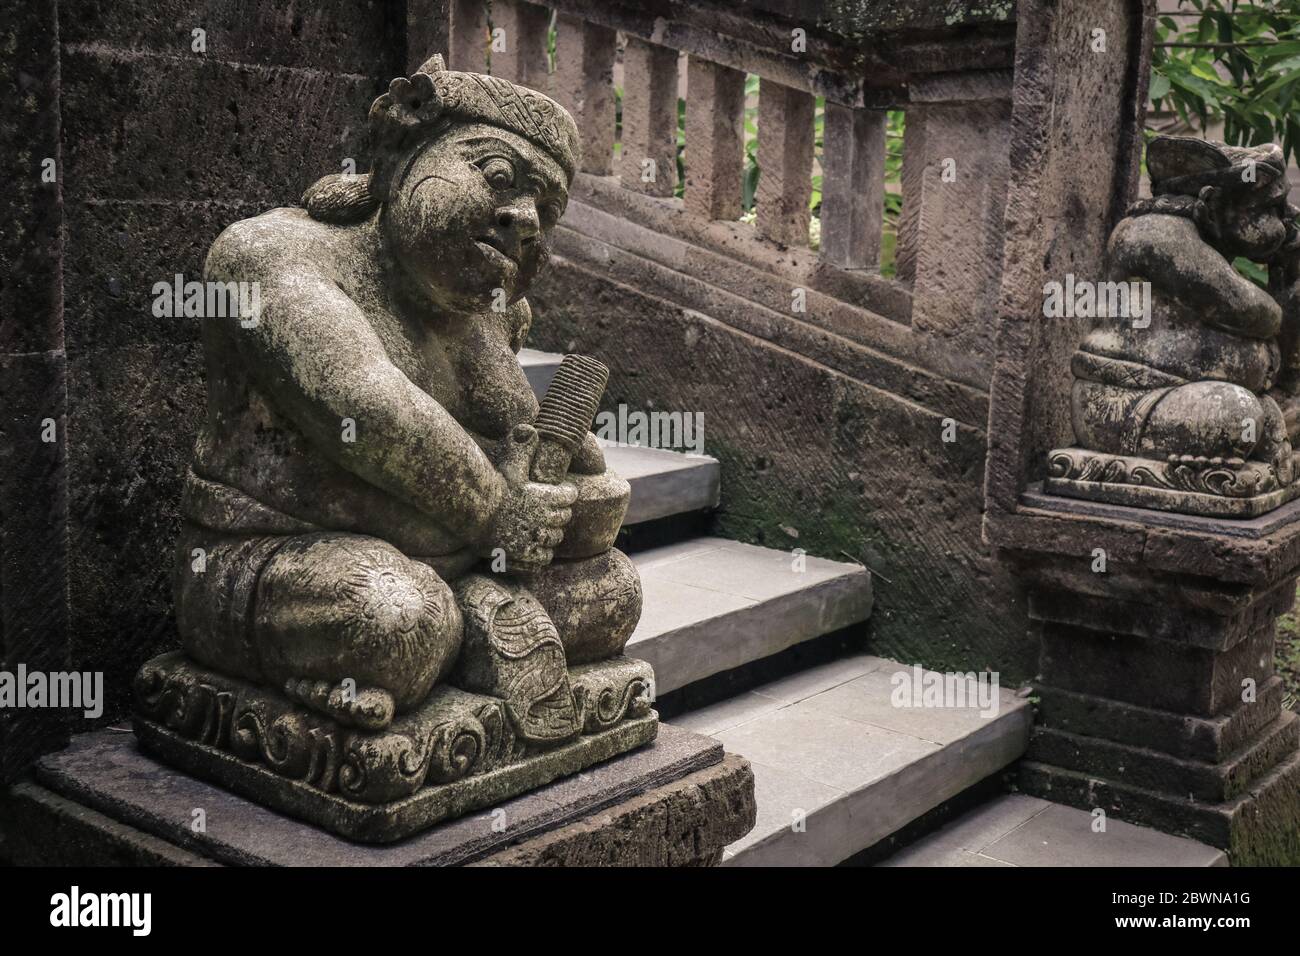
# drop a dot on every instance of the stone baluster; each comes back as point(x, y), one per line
point(715, 145)
point(648, 162)
point(469, 36)
point(785, 157)
point(912, 178)
point(519, 42)
point(853, 186)
point(584, 85)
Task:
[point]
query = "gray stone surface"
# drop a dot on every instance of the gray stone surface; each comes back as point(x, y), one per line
point(539, 368)
point(1017, 830)
point(106, 772)
point(683, 823)
point(664, 483)
point(713, 604)
point(837, 768)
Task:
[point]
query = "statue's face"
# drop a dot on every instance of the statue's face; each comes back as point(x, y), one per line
point(1255, 222)
point(472, 213)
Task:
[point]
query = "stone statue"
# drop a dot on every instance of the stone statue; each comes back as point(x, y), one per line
point(387, 586)
point(1192, 408)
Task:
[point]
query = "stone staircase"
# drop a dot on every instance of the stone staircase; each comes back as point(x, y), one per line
point(838, 768)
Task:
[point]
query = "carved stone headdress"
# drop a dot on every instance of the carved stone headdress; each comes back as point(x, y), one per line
point(1184, 165)
point(418, 107)
point(1181, 166)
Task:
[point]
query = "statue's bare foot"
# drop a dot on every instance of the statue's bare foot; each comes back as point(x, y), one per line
point(368, 708)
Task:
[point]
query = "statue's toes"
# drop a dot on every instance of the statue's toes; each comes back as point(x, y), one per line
point(367, 708)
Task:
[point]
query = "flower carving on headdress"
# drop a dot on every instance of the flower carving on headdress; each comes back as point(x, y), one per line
point(410, 103)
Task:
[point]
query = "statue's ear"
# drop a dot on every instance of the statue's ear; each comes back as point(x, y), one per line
point(1172, 156)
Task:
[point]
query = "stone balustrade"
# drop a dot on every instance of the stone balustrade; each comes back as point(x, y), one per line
point(956, 95)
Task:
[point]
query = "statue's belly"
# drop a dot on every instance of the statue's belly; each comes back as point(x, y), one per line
point(1189, 351)
point(302, 485)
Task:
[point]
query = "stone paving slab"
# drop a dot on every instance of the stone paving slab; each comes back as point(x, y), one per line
point(712, 605)
point(1018, 830)
point(837, 768)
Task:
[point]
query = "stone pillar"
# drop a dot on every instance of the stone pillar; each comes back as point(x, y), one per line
point(1158, 703)
point(522, 55)
point(469, 36)
point(785, 157)
point(715, 139)
point(957, 248)
point(853, 186)
point(649, 118)
point(584, 85)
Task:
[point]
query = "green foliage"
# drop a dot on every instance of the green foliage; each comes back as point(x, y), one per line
point(1235, 62)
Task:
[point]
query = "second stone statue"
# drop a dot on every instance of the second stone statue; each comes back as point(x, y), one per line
point(396, 591)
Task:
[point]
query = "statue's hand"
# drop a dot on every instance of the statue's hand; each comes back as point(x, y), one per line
point(529, 523)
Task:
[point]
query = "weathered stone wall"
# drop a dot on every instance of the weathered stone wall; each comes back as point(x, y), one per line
point(33, 384)
point(164, 146)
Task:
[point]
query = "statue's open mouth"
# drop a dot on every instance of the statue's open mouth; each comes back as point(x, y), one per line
point(497, 256)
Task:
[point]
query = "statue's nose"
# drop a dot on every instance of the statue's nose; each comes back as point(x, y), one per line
point(520, 223)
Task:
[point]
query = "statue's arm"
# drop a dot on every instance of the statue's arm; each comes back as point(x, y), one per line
point(316, 354)
point(1169, 252)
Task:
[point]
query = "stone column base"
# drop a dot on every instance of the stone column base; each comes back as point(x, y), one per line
point(1158, 703)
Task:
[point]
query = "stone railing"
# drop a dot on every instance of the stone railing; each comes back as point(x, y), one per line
point(954, 84)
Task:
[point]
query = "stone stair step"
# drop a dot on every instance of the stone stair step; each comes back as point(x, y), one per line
point(1019, 830)
point(664, 483)
point(712, 605)
point(539, 368)
point(829, 748)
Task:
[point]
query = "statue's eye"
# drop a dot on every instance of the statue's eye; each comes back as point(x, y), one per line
point(550, 213)
point(499, 173)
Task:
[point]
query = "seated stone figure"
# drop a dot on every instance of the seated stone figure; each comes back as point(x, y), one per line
point(361, 523)
point(1181, 413)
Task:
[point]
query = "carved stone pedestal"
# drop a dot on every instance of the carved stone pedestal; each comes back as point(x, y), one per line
point(1158, 703)
point(674, 802)
point(1218, 489)
point(455, 753)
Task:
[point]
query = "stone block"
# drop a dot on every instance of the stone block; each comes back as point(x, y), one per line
point(1180, 735)
point(133, 412)
point(340, 36)
point(262, 134)
point(33, 544)
point(1150, 770)
point(106, 773)
point(1261, 827)
point(1154, 673)
point(118, 250)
